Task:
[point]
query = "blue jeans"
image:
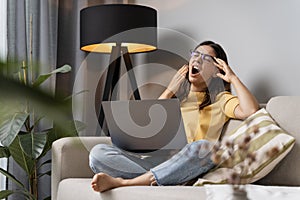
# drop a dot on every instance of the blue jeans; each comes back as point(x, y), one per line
point(190, 162)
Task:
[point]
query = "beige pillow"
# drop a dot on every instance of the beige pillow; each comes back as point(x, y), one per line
point(269, 135)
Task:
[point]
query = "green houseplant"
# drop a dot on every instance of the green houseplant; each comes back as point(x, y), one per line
point(23, 111)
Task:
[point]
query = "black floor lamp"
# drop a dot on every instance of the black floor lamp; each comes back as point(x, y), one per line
point(118, 29)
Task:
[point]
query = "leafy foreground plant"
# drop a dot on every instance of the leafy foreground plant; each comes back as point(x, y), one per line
point(23, 111)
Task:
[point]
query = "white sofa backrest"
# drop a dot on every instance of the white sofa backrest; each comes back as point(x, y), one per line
point(285, 110)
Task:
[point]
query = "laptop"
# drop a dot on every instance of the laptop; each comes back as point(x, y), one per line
point(145, 125)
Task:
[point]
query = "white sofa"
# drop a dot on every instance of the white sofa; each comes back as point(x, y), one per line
point(71, 175)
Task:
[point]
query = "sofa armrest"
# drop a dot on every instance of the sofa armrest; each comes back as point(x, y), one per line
point(70, 158)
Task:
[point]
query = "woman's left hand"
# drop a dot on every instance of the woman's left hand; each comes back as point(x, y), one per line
point(229, 74)
point(247, 102)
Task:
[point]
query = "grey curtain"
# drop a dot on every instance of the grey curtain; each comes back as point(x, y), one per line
point(47, 32)
point(32, 32)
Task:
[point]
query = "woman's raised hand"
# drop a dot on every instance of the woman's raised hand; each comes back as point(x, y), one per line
point(177, 79)
point(175, 83)
point(247, 102)
point(229, 74)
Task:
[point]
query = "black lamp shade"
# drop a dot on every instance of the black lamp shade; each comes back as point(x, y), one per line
point(104, 26)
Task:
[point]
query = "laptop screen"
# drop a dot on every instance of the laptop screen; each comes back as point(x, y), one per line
point(145, 124)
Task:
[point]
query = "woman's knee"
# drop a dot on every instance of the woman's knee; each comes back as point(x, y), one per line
point(99, 154)
point(200, 148)
point(99, 150)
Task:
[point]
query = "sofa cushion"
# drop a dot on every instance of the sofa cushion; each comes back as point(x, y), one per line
point(268, 142)
point(223, 191)
point(76, 188)
point(80, 188)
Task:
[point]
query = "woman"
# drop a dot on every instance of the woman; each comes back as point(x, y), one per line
point(206, 104)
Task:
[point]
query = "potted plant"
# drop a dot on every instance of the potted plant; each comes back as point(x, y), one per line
point(23, 109)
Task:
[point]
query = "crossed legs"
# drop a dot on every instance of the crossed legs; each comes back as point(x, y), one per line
point(192, 161)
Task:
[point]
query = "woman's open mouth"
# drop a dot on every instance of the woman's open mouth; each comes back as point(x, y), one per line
point(195, 70)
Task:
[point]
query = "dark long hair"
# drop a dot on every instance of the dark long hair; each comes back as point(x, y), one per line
point(215, 86)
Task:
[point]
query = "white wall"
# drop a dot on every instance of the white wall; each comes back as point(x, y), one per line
point(261, 37)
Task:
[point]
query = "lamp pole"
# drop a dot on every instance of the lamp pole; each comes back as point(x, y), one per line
point(112, 78)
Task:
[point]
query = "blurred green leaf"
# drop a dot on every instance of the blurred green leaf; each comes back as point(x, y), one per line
point(47, 105)
point(5, 193)
point(25, 162)
point(11, 126)
point(42, 78)
point(9, 67)
point(4, 152)
point(11, 177)
point(33, 144)
point(70, 129)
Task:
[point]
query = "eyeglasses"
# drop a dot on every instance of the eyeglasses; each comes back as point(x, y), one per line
point(204, 57)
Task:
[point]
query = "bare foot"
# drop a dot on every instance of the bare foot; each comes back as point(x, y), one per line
point(102, 182)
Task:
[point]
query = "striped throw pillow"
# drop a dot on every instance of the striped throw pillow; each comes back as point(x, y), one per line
point(267, 137)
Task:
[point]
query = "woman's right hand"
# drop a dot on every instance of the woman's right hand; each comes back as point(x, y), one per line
point(177, 79)
point(175, 82)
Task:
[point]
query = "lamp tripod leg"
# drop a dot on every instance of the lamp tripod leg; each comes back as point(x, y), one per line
point(131, 75)
point(112, 78)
